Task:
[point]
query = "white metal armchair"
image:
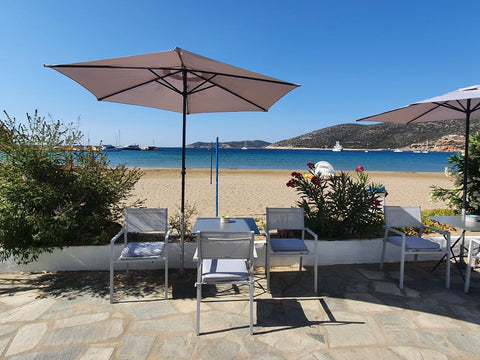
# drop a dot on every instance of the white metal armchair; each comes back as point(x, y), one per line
point(152, 221)
point(411, 216)
point(225, 258)
point(288, 219)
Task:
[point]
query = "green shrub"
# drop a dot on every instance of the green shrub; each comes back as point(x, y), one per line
point(455, 170)
point(339, 206)
point(52, 195)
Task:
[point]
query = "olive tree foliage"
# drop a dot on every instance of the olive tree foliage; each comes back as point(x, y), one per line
point(455, 170)
point(51, 193)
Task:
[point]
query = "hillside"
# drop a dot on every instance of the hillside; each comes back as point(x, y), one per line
point(233, 144)
point(440, 135)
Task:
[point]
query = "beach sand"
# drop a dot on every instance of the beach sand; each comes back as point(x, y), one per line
point(249, 192)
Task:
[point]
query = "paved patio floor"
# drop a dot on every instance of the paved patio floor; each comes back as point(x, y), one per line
point(359, 313)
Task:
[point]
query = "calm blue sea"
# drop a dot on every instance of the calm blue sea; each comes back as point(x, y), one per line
point(282, 159)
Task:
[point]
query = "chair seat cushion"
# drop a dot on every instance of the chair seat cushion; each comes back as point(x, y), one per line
point(288, 245)
point(138, 250)
point(415, 243)
point(214, 271)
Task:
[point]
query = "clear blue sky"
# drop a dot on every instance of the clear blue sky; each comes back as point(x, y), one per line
point(352, 58)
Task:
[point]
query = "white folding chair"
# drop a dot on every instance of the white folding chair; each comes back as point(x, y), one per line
point(225, 258)
point(289, 219)
point(411, 216)
point(151, 221)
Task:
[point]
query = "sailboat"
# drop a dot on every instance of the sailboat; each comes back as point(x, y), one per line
point(244, 147)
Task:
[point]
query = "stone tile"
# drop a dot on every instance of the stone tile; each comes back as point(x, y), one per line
point(15, 300)
point(177, 348)
point(28, 312)
point(431, 339)
point(136, 346)
point(150, 310)
point(400, 337)
point(81, 320)
point(425, 320)
point(7, 329)
point(90, 333)
point(221, 350)
point(414, 353)
point(295, 340)
point(465, 342)
point(98, 353)
point(372, 274)
point(389, 288)
point(27, 338)
point(351, 330)
point(61, 354)
point(395, 320)
point(382, 353)
point(174, 324)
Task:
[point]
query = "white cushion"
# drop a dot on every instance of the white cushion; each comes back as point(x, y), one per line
point(214, 270)
point(288, 245)
point(137, 250)
point(414, 243)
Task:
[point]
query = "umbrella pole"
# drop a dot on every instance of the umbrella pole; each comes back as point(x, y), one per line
point(465, 157)
point(182, 209)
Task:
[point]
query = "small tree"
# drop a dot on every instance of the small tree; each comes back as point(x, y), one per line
point(454, 197)
point(339, 205)
point(52, 193)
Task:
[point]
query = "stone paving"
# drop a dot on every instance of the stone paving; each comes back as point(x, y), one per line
point(359, 313)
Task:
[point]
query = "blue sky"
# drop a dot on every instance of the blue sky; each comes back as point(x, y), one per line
point(352, 58)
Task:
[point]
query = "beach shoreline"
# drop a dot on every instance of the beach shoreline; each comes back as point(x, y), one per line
point(248, 192)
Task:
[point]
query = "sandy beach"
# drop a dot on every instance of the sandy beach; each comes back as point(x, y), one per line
point(249, 192)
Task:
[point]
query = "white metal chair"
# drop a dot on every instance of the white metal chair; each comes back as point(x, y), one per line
point(225, 258)
point(288, 219)
point(411, 216)
point(151, 221)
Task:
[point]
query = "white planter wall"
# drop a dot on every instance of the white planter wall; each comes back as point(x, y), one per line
point(98, 257)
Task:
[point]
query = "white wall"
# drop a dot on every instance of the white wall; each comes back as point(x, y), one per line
point(98, 257)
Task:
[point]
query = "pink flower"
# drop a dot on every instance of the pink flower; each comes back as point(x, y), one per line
point(310, 165)
point(315, 180)
point(296, 175)
point(360, 169)
point(292, 183)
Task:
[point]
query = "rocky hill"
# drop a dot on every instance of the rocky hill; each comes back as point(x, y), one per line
point(233, 144)
point(439, 135)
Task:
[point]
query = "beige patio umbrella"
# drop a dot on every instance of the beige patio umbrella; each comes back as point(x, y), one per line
point(180, 81)
point(454, 105)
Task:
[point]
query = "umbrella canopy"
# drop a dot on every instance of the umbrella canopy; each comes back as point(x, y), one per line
point(180, 81)
point(454, 105)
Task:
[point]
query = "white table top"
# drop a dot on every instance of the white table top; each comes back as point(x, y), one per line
point(458, 221)
point(235, 225)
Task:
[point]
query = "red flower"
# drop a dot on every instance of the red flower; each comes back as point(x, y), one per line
point(292, 183)
point(296, 175)
point(310, 165)
point(315, 180)
point(360, 169)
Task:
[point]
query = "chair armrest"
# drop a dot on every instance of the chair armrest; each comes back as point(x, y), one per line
point(116, 237)
point(443, 232)
point(167, 235)
point(395, 231)
point(315, 236)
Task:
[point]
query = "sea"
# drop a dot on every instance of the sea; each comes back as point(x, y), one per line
point(282, 159)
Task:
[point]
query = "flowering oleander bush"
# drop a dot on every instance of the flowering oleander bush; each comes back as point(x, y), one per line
point(340, 205)
point(52, 196)
point(455, 170)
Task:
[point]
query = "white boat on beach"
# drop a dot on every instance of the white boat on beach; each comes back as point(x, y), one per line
point(110, 148)
point(131, 147)
point(337, 147)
